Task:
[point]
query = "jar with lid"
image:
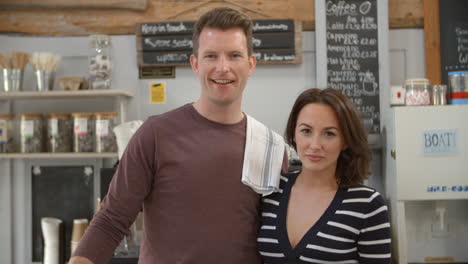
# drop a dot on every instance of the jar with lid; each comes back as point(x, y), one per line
point(83, 132)
point(439, 94)
point(30, 132)
point(458, 87)
point(6, 133)
point(59, 132)
point(99, 62)
point(105, 137)
point(418, 92)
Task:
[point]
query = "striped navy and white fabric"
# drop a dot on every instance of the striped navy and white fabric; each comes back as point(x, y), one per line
point(263, 158)
point(355, 228)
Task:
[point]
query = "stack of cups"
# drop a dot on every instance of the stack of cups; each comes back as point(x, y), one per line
point(51, 233)
point(79, 228)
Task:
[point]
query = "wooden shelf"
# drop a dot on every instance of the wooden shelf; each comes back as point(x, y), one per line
point(70, 155)
point(64, 94)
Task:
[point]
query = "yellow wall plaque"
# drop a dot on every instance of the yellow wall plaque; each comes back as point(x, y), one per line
point(158, 92)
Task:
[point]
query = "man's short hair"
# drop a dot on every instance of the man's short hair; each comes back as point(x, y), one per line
point(223, 18)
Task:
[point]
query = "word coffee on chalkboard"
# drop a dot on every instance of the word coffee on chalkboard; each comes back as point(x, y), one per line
point(453, 19)
point(353, 55)
point(170, 43)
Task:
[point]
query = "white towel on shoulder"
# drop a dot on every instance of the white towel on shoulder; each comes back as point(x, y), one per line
point(263, 158)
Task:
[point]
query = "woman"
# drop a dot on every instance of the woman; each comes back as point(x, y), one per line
point(323, 213)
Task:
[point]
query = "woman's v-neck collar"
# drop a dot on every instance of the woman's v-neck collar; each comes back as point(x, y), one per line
point(287, 249)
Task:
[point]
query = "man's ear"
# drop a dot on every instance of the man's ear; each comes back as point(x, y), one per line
point(252, 64)
point(194, 63)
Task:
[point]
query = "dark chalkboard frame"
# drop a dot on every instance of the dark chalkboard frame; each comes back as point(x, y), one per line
point(382, 61)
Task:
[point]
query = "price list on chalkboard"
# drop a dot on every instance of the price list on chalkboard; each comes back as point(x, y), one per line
point(353, 55)
point(453, 37)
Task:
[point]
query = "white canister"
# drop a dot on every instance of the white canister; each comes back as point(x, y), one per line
point(397, 95)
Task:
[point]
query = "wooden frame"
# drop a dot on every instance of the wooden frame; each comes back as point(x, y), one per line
point(139, 5)
point(432, 41)
point(112, 21)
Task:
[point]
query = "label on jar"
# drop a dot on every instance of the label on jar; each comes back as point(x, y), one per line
point(81, 126)
point(102, 128)
point(27, 128)
point(53, 127)
point(3, 132)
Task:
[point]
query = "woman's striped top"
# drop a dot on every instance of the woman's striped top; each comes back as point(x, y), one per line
point(354, 229)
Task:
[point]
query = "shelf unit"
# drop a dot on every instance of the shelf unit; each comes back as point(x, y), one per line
point(121, 97)
point(120, 105)
point(67, 155)
point(64, 94)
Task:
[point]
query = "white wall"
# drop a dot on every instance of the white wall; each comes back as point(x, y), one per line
point(269, 96)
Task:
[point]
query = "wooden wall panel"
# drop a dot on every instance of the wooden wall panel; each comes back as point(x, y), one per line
point(107, 4)
point(406, 13)
point(73, 22)
point(432, 41)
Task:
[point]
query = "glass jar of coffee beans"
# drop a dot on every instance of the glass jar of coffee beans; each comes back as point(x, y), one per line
point(59, 132)
point(6, 133)
point(83, 132)
point(105, 137)
point(30, 132)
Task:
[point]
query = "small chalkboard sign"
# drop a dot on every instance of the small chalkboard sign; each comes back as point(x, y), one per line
point(352, 54)
point(65, 193)
point(453, 19)
point(273, 41)
point(170, 43)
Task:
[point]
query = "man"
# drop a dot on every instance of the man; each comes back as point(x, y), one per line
point(184, 167)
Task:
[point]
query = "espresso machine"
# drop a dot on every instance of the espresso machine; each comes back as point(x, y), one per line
point(426, 183)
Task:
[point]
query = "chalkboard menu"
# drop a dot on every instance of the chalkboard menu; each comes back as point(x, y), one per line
point(453, 19)
point(170, 43)
point(353, 55)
